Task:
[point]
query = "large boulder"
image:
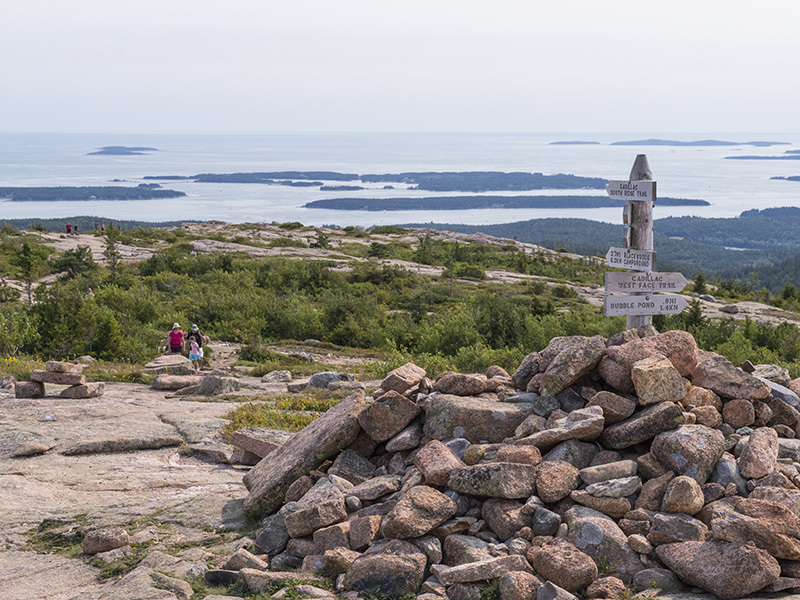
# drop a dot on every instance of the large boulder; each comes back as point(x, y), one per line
point(387, 416)
point(691, 450)
point(389, 568)
point(403, 378)
point(475, 419)
point(329, 434)
point(496, 480)
point(678, 346)
point(600, 537)
point(656, 380)
point(716, 373)
point(417, 512)
point(643, 425)
point(170, 364)
point(761, 523)
point(760, 455)
point(724, 569)
point(567, 360)
point(582, 424)
point(563, 564)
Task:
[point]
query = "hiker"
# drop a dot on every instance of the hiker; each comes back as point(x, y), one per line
point(96, 225)
point(195, 354)
point(77, 230)
point(196, 335)
point(175, 339)
point(102, 226)
point(69, 228)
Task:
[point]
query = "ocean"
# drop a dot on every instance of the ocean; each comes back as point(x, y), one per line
point(731, 186)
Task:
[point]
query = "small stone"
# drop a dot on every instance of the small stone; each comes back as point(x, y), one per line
point(656, 380)
point(739, 412)
point(615, 488)
point(615, 508)
point(707, 415)
point(437, 462)
point(691, 450)
point(421, 509)
point(389, 567)
point(242, 559)
point(387, 416)
point(403, 378)
point(563, 564)
point(615, 408)
point(545, 522)
point(642, 426)
point(611, 470)
point(482, 570)
point(760, 455)
point(671, 528)
point(363, 531)
point(555, 480)
point(640, 544)
point(408, 439)
point(606, 587)
point(498, 480)
point(103, 540)
point(29, 389)
point(683, 495)
point(504, 517)
point(518, 585)
point(526, 455)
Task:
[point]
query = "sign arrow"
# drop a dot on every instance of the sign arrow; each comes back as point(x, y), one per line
point(645, 282)
point(625, 258)
point(655, 304)
point(632, 190)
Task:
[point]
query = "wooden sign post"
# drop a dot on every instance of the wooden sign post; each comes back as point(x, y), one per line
point(638, 257)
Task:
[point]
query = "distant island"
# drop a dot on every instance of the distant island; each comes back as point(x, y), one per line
point(341, 188)
point(122, 151)
point(658, 142)
point(477, 202)
point(76, 194)
point(575, 143)
point(786, 156)
point(791, 178)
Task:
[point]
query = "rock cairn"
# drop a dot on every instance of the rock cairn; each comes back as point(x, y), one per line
point(637, 461)
point(61, 373)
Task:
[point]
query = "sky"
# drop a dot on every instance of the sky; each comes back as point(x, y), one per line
point(262, 66)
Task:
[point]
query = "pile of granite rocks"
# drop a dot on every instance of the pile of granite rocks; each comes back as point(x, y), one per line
point(60, 373)
point(601, 467)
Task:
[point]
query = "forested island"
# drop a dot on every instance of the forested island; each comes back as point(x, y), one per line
point(462, 181)
point(122, 151)
point(477, 202)
point(791, 178)
point(574, 143)
point(76, 194)
point(658, 142)
point(272, 177)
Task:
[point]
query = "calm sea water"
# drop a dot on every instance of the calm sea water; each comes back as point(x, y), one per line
point(686, 172)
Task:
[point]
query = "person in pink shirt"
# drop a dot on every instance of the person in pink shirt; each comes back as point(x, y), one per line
point(175, 339)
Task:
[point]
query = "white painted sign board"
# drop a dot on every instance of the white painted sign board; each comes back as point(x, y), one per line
point(626, 306)
point(644, 282)
point(625, 258)
point(632, 190)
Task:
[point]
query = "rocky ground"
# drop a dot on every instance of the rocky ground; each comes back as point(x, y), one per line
point(636, 466)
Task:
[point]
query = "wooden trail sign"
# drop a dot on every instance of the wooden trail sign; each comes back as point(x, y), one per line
point(627, 258)
point(655, 304)
point(632, 190)
point(645, 282)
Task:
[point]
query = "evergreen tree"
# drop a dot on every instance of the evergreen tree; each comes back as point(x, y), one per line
point(699, 284)
point(30, 263)
point(111, 253)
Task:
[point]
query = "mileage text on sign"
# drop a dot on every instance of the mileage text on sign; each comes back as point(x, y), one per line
point(625, 306)
point(625, 258)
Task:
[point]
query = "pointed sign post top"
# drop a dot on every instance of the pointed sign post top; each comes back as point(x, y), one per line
point(641, 169)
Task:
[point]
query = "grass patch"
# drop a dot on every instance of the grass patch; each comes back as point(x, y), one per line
point(19, 367)
point(119, 372)
point(124, 565)
point(58, 536)
point(289, 412)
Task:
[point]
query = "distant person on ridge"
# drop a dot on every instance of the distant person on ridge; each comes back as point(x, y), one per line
point(175, 339)
point(69, 228)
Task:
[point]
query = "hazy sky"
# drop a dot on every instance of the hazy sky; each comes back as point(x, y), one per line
point(179, 66)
